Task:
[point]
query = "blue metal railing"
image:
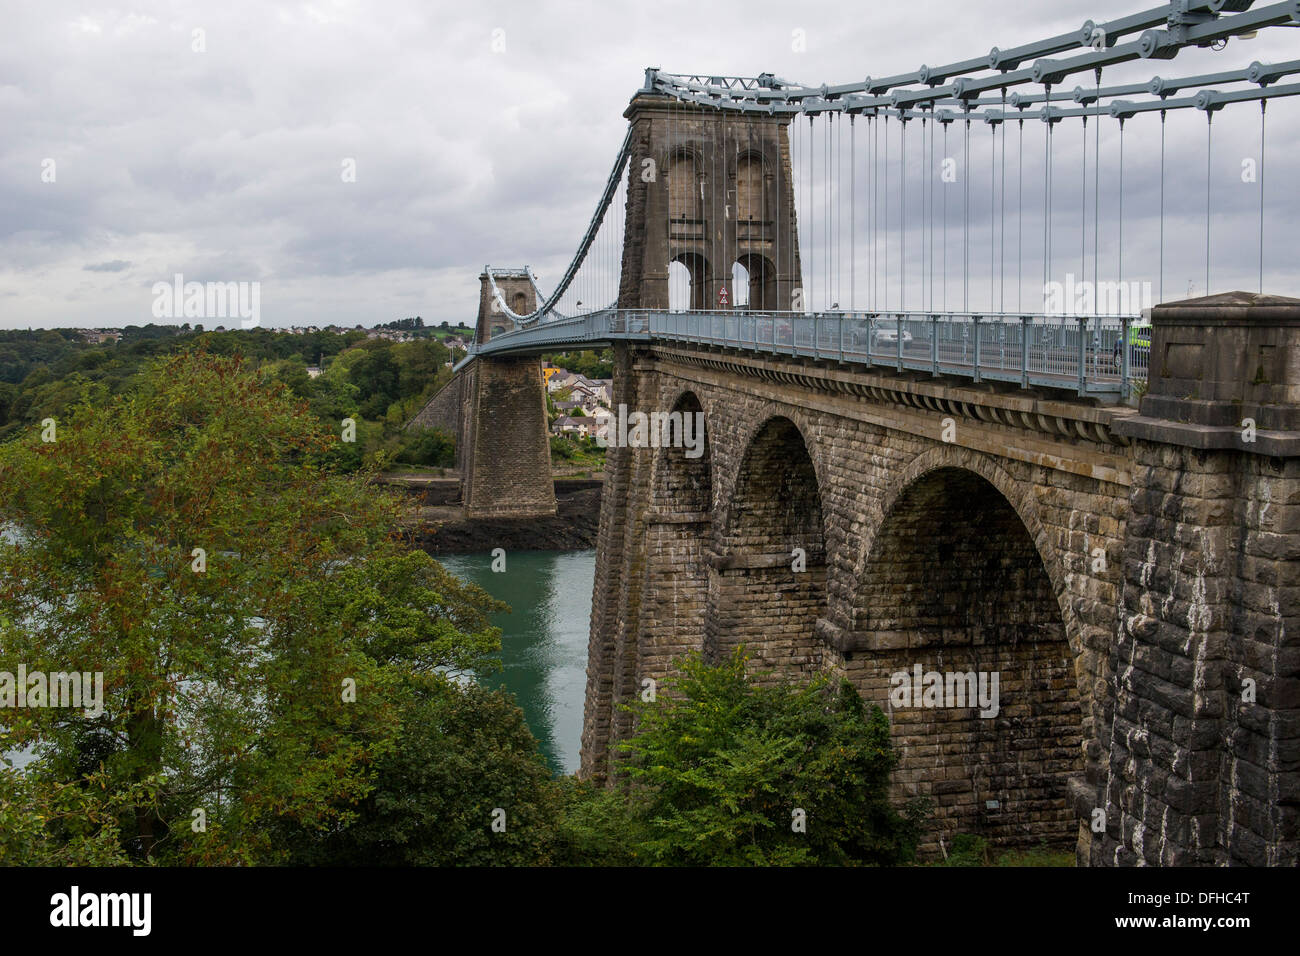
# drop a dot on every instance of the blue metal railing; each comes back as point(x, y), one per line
point(1082, 353)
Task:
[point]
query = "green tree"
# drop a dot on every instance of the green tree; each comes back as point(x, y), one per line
point(431, 447)
point(465, 759)
point(588, 363)
point(45, 822)
point(376, 374)
point(723, 766)
point(259, 679)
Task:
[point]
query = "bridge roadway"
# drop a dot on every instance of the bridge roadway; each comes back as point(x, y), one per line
point(1080, 353)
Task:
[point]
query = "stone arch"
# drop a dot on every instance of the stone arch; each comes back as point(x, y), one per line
point(1017, 496)
point(520, 304)
point(683, 481)
point(678, 530)
point(760, 277)
point(954, 582)
point(767, 587)
point(737, 444)
point(688, 284)
point(738, 282)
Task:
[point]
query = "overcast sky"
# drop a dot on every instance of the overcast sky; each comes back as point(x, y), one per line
point(481, 133)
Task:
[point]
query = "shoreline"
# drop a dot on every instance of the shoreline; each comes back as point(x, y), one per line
point(443, 527)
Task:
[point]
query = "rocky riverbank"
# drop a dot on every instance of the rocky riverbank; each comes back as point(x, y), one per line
point(444, 528)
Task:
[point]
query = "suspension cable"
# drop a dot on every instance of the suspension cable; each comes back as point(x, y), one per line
point(1163, 115)
point(1209, 149)
point(965, 242)
point(992, 219)
point(1121, 202)
point(1047, 194)
point(902, 216)
point(1096, 199)
point(829, 250)
point(716, 187)
point(885, 232)
point(1083, 210)
point(1263, 105)
point(839, 213)
point(871, 211)
point(811, 285)
point(924, 130)
point(1002, 245)
point(930, 179)
point(774, 301)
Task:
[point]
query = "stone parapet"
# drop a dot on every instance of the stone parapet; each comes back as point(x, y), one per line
point(1224, 373)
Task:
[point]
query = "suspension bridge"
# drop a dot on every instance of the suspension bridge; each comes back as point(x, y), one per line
point(892, 247)
point(961, 415)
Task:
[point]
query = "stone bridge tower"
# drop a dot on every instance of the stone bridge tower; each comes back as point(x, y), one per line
point(709, 190)
point(503, 447)
point(496, 410)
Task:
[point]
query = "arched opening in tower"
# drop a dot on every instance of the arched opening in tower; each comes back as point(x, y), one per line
point(768, 586)
point(688, 283)
point(683, 471)
point(754, 278)
point(739, 285)
point(962, 642)
point(678, 528)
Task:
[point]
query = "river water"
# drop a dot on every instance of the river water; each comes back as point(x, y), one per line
point(543, 639)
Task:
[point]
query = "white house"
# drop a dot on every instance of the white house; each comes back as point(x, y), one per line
point(561, 379)
point(564, 425)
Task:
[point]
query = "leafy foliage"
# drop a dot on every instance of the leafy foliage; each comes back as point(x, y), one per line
point(431, 447)
point(720, 764)
point(45, 822)
point(224, 685)
point(463, 754)
point(968, 850)
point(377, 383)
point(591, 364)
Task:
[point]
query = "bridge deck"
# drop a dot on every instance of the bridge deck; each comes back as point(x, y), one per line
point(1080, 353)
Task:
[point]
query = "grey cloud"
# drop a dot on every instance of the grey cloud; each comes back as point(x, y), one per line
point(226, 164)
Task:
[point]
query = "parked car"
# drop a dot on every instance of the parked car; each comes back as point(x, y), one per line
point(886, 337)
point(1139, 346)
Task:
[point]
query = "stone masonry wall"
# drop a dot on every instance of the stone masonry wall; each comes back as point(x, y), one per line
point(1132, 576)
point(444, 411)
point(1041, 753)
point(1197, 774)
point(955, 584)
point(507, 464)
point(678, 529)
